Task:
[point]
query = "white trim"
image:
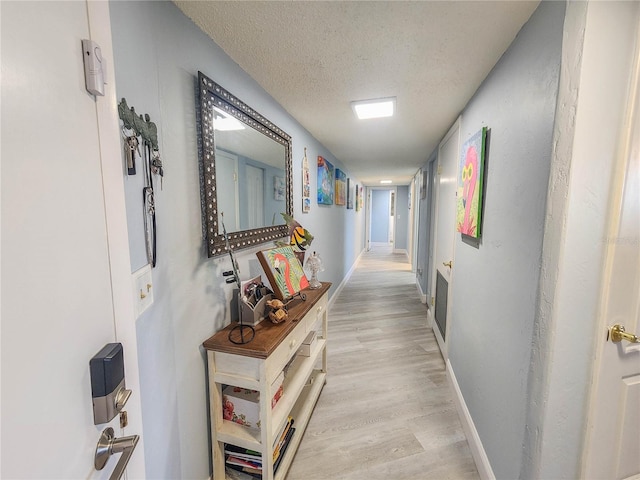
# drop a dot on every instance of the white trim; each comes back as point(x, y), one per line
point(423, 295)
point(475, 444)
point(344, 281)
point(99, 20)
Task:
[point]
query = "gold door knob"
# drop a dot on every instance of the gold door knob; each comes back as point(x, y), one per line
point(448, 264)
point(617, 334)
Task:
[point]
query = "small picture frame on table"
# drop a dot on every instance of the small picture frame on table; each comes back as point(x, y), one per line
point(284, 271)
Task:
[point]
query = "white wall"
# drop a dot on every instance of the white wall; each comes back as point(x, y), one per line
point(597, 55)
point(158, 54)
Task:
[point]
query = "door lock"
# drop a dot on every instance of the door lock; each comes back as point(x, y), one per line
point(617, 333)
point(448, 264)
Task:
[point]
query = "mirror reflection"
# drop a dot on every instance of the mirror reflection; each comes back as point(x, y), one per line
point(250, 172)
point(246, 171)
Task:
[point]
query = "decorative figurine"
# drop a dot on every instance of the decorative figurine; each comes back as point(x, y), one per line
point(314, 265)
point(278, 313)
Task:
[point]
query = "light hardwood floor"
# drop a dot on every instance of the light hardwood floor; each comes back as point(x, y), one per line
point(387, 409)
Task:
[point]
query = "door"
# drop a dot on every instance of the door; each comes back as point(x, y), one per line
point(444, 234)
point(613, 450)
point(381, 217)
point(227, 185)
point(255, 198)
point(414, 235)
point(392, 217)
point(66, 288)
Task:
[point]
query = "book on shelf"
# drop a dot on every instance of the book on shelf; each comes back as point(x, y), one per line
point(241, 462)
point(243, 459)
point(231, 473)
point(283, 450)
point(250, 461)
point(230, 449)
point(280, 439)
point(245, 472)
point(283, 432)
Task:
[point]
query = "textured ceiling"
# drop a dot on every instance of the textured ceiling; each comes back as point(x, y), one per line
point(315, 57)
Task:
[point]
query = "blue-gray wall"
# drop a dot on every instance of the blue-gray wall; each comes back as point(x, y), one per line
point(158, 52)
point(380, 216)
point(492, 328)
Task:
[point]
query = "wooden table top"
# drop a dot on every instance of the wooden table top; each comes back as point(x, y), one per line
point(268, 335)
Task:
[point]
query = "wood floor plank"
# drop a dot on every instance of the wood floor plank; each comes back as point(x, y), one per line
point(387, 410)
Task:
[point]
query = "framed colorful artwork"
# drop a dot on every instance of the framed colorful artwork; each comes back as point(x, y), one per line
point(357, 198)
point(341, 187)
point(361, 198)
point(325, 182)
point(470, 185)
point(283, 270)
point(306, 184)
point(349, 194)
point(279, 188)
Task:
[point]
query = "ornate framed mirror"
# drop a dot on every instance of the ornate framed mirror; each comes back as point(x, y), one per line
point(245, 171)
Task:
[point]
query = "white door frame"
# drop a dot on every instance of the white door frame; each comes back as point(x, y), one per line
point(389, 188)
point(116, 229)
point(393, 200)
point(232, 218)
point(432, 176)
point(414, 234)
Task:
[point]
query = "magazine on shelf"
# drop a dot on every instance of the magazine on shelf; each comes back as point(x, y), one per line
point(283, 450)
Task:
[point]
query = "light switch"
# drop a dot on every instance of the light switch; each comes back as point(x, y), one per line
point(142, 289)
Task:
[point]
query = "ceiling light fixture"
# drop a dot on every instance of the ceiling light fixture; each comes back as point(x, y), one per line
point(376, 108)
point(385, 182)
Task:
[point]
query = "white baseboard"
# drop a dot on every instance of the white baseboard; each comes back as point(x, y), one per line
point(475, 444)
point(344, 281)
point(423, 296)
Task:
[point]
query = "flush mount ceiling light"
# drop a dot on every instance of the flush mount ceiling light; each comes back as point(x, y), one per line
point(385, 182)
point(376, 108)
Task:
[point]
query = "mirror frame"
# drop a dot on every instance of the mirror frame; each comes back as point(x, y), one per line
point(211, 94)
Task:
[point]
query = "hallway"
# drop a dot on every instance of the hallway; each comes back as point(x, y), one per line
point(387, 410)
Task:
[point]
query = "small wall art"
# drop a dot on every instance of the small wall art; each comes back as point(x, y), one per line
point(341, 187)
point(361, 199)
point(284, 271)
point(357, 198)
point(306, 184)
point(470, 185)
point(325, 182)
point(350, 193)
point(279, 188)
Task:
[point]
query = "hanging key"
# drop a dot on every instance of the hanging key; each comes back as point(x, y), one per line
point(131, 146)
point(156, 166)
